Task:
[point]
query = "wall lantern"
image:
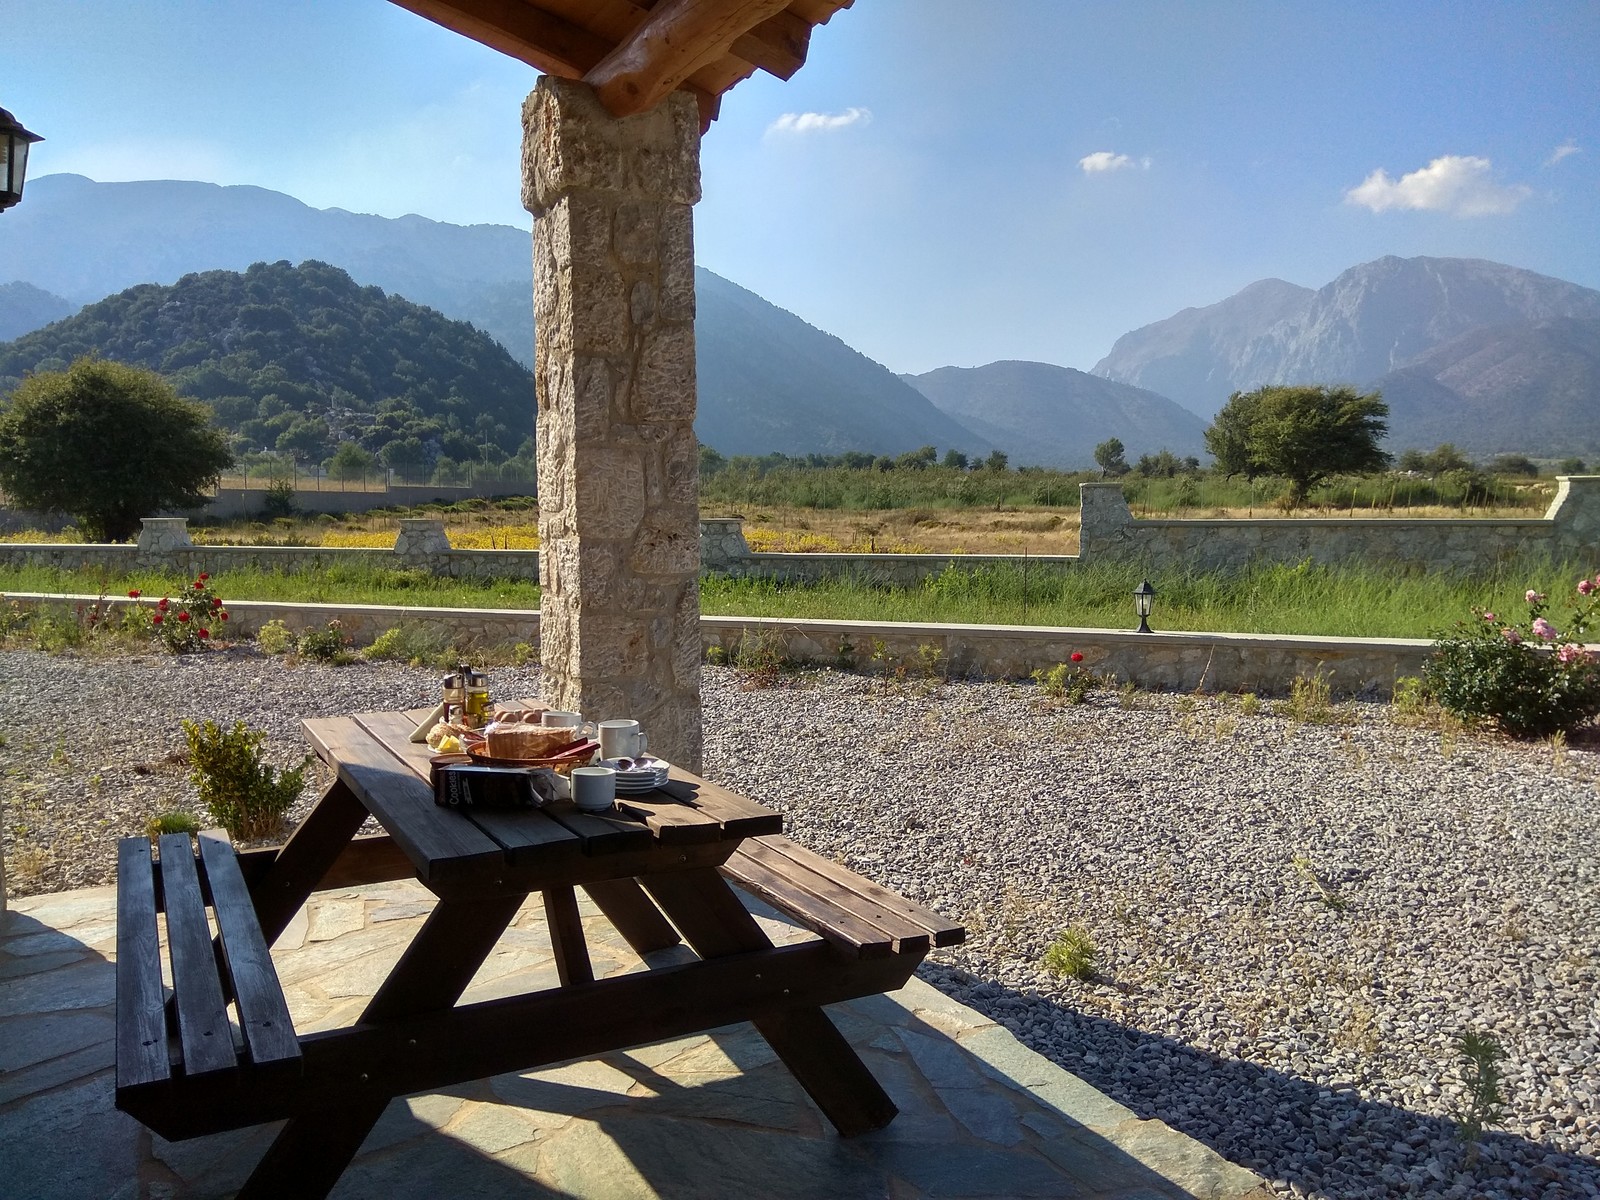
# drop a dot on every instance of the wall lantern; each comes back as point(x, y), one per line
point(1144, 598)
point(14, 143)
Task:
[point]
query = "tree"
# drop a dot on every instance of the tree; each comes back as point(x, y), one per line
point(997, 461)
point(350, 461)
point(1111, 457)
point(955, 459)
point(1302, 433)
point(107, 443)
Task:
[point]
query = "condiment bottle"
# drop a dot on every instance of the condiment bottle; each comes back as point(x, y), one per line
point(477, 699)
point(455, 697)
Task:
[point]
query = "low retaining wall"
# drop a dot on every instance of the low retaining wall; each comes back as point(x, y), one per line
point(1158, 661)
point(1570, 529)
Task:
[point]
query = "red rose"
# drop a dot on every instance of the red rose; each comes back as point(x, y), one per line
point(1076, 657)
point(133, 593)
point(205, 633)
point(216, 602)
point(223, 615)
point(202, 577)
point(199, 586)
point(183, 617)
point(157, 619)
point(162, 604)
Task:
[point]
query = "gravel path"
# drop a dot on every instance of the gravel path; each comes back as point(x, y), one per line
point(1294, 922)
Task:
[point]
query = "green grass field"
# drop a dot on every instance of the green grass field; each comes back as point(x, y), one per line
point(1347, 601)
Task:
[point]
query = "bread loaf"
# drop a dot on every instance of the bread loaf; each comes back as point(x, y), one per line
point(516, 740)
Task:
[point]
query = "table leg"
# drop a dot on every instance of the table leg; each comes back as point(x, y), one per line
point(305, 858)
point(638, 920)
point(704, 907)
point(314, 1148)
point(566, 935)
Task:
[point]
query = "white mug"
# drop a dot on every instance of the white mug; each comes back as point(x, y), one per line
point(551, 719)
point(622, 739)
point(594, 789)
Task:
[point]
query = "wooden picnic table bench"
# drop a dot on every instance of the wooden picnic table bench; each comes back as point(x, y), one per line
point(657, 867)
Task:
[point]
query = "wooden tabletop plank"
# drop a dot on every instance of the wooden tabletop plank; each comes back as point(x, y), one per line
point(672, 822)
point(601, 833)
point(202, 1014)
point(738, 816)
point(942, 931)
point(438, 843)
point(907, 936)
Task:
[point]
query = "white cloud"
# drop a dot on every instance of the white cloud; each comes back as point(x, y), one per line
point(1104, 160)
point(1453, 183)
point(1566, 150)
point(812, 122)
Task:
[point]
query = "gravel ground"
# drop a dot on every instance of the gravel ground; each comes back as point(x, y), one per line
point(1294, 922)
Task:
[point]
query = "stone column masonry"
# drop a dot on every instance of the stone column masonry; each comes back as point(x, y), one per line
point(160, 537)
point(722, 544)
point(1105, 517)
point(613, 255)
point(421, 538)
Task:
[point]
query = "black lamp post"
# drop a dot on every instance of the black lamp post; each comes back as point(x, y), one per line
point(1144, 598)
point(14, 143)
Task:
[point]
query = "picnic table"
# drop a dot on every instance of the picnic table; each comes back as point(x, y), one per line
point(658, 867)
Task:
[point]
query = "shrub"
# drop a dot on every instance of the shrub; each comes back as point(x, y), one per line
point(326, 644)
point(274, 638)
point(186, 624)
point(172, 821)
point(245, 795)
point(279, 499)
point(1311, 699)
point(1073, 955)
point(1529, 677)
point(1070, 683)
point(1480, 1054)
point(411, 642)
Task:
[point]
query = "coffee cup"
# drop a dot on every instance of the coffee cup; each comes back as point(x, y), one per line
point(622, 739)
point(594, 789)
point(551, 719)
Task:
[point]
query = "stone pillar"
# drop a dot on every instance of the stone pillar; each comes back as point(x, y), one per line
point(420, 538)
point(1575, 513)
point(613, 267)
point(722, 544)
point(1105, 518)
point(163, 537)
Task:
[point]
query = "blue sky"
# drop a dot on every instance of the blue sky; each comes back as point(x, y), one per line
point(946, 181)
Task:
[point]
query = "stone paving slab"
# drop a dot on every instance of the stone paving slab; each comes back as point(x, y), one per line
point(706, 1116)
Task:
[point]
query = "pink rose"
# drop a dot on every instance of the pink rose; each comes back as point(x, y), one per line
point(1532, 597)
point(1511, 635)
point(1569, 653)
point(1544, 629)
point(1490, 617)
point(1585, 586)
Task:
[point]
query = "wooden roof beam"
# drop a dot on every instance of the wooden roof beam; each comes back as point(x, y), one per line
point(671, 44)
point(778, 45)
point(520, 29)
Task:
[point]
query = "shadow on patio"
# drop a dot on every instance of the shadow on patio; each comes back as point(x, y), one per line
point(709, 1115)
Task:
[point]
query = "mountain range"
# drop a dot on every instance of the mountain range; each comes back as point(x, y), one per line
point(1491, 357)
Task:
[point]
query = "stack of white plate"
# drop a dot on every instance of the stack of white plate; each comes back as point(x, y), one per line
point(641, 775)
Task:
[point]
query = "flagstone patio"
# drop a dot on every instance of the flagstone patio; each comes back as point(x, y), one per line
point(706, 1116)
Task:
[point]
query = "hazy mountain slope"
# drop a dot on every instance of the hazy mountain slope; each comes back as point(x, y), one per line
point(1194, 356)
point(1529, 387)
point(24, 307)
point(769, 381)
point(1373, 319)
point(1044, 415)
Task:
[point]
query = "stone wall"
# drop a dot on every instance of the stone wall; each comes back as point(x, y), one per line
point(1178, 661)
point(1570, 529)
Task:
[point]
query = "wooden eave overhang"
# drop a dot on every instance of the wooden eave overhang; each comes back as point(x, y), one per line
point(634, 53)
